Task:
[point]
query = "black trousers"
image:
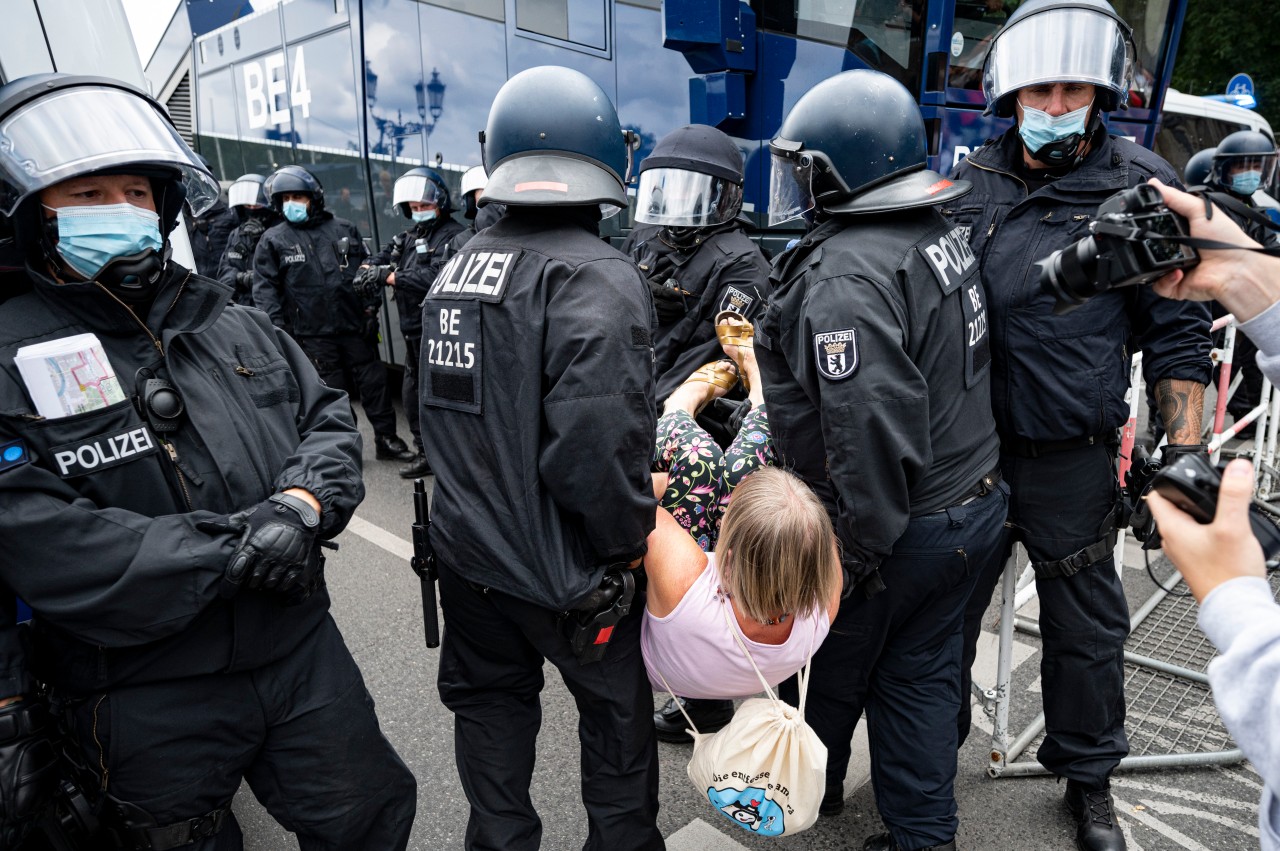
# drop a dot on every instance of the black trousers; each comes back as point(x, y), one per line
point(301, 730)
point(340, 358)
point(897, 655)
point(409, 389)
point(1060, 502)
point(490, 676)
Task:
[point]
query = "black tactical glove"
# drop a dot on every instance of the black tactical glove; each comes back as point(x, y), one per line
point(278, 550)
point(668, 302)
point(244, 280)
point(370, 280)
point(28, 768)
point(251, 230)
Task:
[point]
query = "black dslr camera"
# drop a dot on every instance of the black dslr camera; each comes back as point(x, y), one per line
point(1190, 482)
point(1124, 249)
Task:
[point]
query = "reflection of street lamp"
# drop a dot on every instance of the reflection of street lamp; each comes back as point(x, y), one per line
point(391, 134)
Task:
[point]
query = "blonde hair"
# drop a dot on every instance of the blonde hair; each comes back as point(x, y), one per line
point(777, 552)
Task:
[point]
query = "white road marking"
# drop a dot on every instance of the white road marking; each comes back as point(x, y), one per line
point(697, 835)
point(1168, 808)
point(1129, 841)
point(376, 535)
point(1160, 827)
point(1216, 801)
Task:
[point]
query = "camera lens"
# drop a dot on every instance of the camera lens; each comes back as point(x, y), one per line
point(1068, 275)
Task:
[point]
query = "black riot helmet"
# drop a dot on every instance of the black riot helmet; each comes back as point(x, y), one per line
point(55, 127)
point(554, 140)
point(1196, 172)
point(693, 179)
point(854, 143)
point(247, 191)
point(293, 178)
point(1243, 163)
point(1060, 41)
point(421, 184)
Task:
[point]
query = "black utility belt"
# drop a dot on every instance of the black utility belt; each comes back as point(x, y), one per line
point(1024, 448)
point(985, 485)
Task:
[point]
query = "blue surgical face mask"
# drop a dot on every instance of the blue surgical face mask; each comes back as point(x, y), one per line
point(423, 215)
point(91, 237)
point(296, 211)
point(1246, 182)
point(1039, 128)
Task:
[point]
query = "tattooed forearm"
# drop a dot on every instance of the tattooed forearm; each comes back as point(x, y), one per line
point(1181, 407)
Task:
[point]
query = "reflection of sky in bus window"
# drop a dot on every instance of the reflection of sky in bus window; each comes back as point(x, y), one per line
point(217, 106)
point(393, 57)
point(451, 41)
point(330, 118)
point(587, 22)
point(303, 17)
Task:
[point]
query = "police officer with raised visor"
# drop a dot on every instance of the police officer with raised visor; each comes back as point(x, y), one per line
point(251, 204)
point(877, 368)
point(169, 543)
point(1059, 381)
point(408, 264)
point(303, 273)
point(210, 233)
point(537, 394)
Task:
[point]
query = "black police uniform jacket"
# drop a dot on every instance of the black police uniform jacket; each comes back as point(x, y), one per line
point(874, 354)
point(210, 234)
point(303, 281)
point(99, 513)
point(537, 391)
point(725, 271)
point(413, 253)
point(1064, 377)
point(238, 258)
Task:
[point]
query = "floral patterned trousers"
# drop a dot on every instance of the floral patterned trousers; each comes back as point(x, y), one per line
point(701, 477)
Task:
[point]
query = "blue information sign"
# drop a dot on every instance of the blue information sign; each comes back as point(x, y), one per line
point(1240, 91)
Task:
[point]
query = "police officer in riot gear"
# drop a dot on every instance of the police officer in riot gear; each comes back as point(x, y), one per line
point(1060, 380)
point(303, 274)
point(692, 248)
point(210, 233)
point(181, 620)
point(408, 265)
point(251, 204)
point(1196, 171)
point(877, 367)
point(1242, 164)
point(537, 395)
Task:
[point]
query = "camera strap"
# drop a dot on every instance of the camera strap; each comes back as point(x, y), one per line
point(1223, 200)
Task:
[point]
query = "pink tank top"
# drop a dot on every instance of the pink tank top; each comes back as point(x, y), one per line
point(696, 652)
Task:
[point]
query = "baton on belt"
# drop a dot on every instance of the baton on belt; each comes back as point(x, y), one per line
point(424, 563)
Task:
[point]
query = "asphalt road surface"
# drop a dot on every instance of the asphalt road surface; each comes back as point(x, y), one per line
point(377, 605)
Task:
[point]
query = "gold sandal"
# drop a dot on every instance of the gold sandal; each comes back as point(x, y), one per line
point(722, 373)
point(740, 334)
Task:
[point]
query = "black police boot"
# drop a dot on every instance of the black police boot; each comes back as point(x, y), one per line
point(416, 468)
point(833, 801)
point(391, 449)
point(1094, 812)
point(708, 715)
point(884, 842)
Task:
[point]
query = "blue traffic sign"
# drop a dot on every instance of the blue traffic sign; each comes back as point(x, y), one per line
point(1240, 91)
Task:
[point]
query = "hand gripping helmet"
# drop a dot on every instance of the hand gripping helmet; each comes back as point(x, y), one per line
point(54, 127)
point(1196, 172)
point(1244, 162)
point(693, 178)
point(293, 178)
point(247, 191)
point(1060, 41)
point(420, 184)
point(854, 143)
point(553, 140)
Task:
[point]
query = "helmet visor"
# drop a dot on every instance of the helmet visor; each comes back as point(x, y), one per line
point(1059, 46)
point(89, 128)
point(790, 187)
point(415, 187)
point(1227, 166)
point(245, 193)
point(680, 198)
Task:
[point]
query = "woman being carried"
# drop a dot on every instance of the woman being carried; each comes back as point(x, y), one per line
point(775, 574)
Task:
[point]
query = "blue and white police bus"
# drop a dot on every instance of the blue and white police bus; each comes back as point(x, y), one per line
point(361, 90)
